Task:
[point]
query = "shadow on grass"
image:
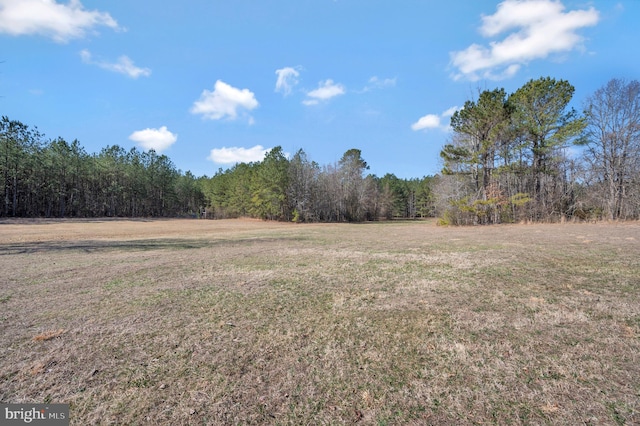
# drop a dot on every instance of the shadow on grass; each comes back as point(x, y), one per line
point(93, 246)
point(60, 220)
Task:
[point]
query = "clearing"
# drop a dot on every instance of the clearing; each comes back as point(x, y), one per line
point(250, 322)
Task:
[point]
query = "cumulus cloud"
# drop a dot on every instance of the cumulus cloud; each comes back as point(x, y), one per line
point(61, 22)
point(224, 102)
point(233, 155)
point(124, 65)
point(326, 90)
point(287, 79)
point(429, 121)
point(156, 139)
point(534, 29)
point(434, 121)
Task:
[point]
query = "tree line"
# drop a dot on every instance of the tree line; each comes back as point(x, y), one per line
point(512, 157)
point(301, 190)
point(56, 178)
point(524, 156)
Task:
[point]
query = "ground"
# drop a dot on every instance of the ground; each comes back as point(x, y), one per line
point(251, 322)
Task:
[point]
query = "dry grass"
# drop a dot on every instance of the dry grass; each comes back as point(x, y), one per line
point(248, 322)
point(48, 335)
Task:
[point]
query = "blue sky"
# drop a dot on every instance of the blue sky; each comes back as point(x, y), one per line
point(210, 82)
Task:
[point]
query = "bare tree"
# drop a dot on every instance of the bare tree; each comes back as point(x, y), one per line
point(613, 138)
point(303, 182)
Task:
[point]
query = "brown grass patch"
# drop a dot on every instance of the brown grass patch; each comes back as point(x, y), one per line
point(249, 322)
point(48, 335)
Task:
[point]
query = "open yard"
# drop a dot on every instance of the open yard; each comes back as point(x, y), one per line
point(250, 322)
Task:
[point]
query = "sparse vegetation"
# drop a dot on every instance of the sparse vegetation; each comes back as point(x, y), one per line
point(250, 322)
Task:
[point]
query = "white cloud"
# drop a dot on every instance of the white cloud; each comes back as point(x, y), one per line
point(287, 79)
point(86, 56)
point(377, 83)
point(326, 90)
point(387, 82)
point(429, 121)
point(233, 155)
point(61, 22)
point(156, 139)
point(124, 65)
point(224, 101)
point(536, 29)
point(450, 111)
point(434, 121)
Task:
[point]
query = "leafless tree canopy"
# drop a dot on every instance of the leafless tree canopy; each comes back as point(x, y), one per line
point(613, 153)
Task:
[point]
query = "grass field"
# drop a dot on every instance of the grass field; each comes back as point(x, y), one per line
point(391, 323)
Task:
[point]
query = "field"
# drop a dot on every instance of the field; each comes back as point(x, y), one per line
point(249, 322)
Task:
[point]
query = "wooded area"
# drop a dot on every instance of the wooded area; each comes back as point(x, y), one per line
point(510, 157)
point(302, 191)
point(59, 179)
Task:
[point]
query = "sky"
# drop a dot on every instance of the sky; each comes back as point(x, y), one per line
point(210, 83)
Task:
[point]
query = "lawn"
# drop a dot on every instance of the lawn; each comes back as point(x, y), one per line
point(388, 323)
